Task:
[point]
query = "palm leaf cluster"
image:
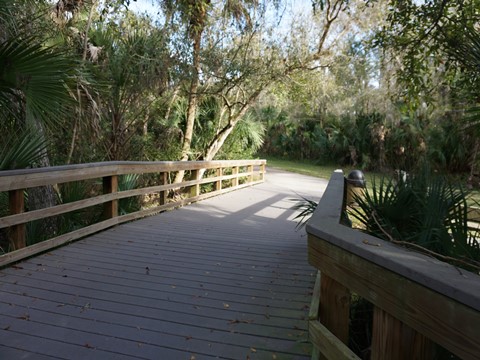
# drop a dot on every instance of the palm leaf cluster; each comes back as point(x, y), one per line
point(33, 76)
point(306, 207)
point(425, 210)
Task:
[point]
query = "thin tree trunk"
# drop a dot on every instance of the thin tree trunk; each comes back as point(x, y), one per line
point(79, 95)
point(43, 196)
point(192, 106)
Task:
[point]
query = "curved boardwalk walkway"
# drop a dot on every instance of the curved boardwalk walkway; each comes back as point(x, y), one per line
point(224, 278)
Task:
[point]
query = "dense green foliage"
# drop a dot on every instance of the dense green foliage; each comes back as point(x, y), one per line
point(424, 209)
point(374, 84)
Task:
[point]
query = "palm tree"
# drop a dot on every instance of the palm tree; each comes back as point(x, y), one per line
point(33, 92)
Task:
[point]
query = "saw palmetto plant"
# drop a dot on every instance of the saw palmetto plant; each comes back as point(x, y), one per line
point(424, 212)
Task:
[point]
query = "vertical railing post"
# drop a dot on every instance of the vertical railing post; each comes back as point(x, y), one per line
point(262, 172)
point(393, 340)
point(110, 185)
point(17, 206)
point(195, 189)
point(218, 183)
point(164, 193)
point(335, 307)
point(250, 170)
point(235, 171)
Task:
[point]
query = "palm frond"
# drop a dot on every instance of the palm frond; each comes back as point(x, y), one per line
point(306, 208)
point(34, 75)
point(22, 150)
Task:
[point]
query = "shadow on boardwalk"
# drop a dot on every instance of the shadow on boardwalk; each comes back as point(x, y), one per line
point(224, 278)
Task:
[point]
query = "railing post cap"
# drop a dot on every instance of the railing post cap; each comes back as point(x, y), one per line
point(356, 178)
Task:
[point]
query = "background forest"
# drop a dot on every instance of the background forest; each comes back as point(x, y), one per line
point(373, 84)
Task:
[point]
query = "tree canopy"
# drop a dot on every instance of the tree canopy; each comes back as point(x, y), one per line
point(370, 82)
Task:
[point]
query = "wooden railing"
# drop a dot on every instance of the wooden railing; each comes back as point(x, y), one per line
point(222, 176)
point(418, 302)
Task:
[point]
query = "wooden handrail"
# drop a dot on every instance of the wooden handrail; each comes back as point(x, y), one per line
point(16, 182)
point(418, 301)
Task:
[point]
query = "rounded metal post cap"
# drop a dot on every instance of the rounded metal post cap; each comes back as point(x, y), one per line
point(356, 178)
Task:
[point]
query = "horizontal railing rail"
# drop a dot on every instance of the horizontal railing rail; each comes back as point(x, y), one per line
point(419, 302)
point(221, 177)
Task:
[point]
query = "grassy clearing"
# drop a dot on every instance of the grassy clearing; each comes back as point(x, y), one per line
point(312, 169)
point(325, 172)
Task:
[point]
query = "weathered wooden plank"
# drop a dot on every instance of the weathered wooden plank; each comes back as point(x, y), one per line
point(417, 306)
point(22, 217)
point(163, 193)
point(335, 307)
point(393, 340)
point(37, 248)
point(315, 304)
point(77, 234)
point(173, 304)
point(18, 179)
point(329, 346)
point(17, 206)
point(7, 352)
point(170, 285)
point(110, 185)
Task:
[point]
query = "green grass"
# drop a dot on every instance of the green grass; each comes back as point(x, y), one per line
point(325, 172)
point(313, 169)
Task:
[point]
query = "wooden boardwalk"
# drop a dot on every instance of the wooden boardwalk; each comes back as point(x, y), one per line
point(224, 278)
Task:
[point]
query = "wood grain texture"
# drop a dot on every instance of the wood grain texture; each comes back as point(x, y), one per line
point(330, 347)
point(110, 185)
point(17, 206)
point(334, 307)
point(26, 178)
point(440, 318)
point(224, 278)
point(110, 199)
point(393, 340)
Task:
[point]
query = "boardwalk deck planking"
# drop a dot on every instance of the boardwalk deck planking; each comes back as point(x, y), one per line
point(225, 278)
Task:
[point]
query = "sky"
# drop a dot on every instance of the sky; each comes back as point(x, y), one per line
point(142, 6)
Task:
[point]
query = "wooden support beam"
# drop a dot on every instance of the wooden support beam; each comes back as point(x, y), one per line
point(334, 307)
point(250, 170)
point(163, 194)
point(218, 184)
point(17, 206)
point(235, 171)
point(110, 185)
point(393, 340)
point(195, 189)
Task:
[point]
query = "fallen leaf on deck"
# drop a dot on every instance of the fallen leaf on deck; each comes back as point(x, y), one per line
point(236, 321)
point(253, 350)
point(226, 306)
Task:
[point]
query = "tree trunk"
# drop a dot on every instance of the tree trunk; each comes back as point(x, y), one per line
point(43, 196)
point(192, 105)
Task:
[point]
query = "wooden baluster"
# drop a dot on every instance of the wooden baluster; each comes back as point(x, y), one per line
point(235, 171)
point(195, 189)
point(393, 340)
point(218, 183)
point(163, 194)
point(335, 307)
point(110, 185)
point(250, 170)
point(262, 172)
point(17, 206)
